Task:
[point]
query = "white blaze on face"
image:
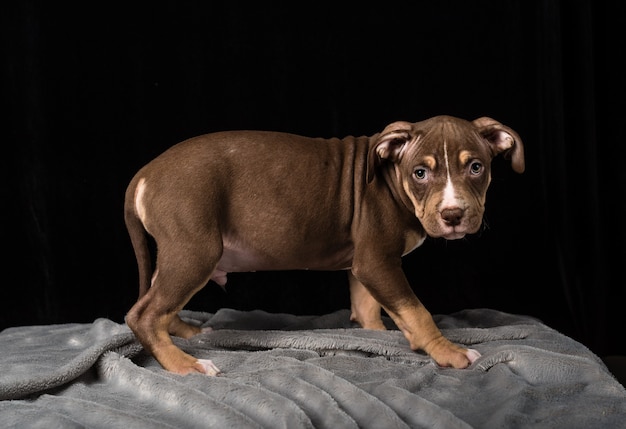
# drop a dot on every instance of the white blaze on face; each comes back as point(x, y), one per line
point(449, 194)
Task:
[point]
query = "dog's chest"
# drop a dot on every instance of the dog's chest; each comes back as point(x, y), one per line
point(413, 240)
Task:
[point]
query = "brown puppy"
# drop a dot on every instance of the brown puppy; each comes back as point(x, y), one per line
point(255, 200)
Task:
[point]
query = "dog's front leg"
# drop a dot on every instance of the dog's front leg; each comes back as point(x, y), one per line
point(388, 285)
point(365, 310)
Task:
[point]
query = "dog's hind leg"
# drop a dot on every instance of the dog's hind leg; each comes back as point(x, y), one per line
point(183, 268)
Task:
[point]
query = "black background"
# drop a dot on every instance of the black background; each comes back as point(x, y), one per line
point(92, 92)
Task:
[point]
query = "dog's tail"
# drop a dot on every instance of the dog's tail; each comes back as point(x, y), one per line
point(139, 240)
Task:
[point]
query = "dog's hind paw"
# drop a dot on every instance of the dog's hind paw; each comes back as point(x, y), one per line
point(209, 367)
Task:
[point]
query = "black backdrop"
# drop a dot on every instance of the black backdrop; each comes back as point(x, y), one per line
point(91, 93)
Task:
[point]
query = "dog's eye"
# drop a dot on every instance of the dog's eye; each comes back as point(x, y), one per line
point(476, 167)
point(420, 173)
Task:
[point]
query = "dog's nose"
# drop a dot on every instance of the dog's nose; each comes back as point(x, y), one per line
point(452, 216)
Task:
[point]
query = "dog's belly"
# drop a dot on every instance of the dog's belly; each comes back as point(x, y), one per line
point(238, 258)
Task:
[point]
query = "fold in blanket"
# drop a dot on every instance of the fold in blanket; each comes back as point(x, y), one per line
point(282, 370)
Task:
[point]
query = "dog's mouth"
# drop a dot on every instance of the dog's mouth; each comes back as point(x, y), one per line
point(451, 232)
point(454, 235)
point(442, 229)
point(452, 223)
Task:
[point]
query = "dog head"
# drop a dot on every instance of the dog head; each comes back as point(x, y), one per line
point(443, 166)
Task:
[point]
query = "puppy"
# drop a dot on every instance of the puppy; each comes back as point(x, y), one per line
point(255, 200)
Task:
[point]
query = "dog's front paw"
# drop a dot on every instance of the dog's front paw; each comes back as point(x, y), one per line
point(447, 354)
point(472, 355)
point(208, 367)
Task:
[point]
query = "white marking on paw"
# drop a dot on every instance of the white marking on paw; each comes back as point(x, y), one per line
point(209, 367)
point(472, 355)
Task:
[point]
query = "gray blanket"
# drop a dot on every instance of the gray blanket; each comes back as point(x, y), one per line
point(291, 371)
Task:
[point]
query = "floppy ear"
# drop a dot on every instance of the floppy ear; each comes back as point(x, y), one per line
point(502, 139)
point(389, 146)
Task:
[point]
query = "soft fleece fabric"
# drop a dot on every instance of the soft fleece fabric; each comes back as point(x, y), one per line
point(282, 370)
